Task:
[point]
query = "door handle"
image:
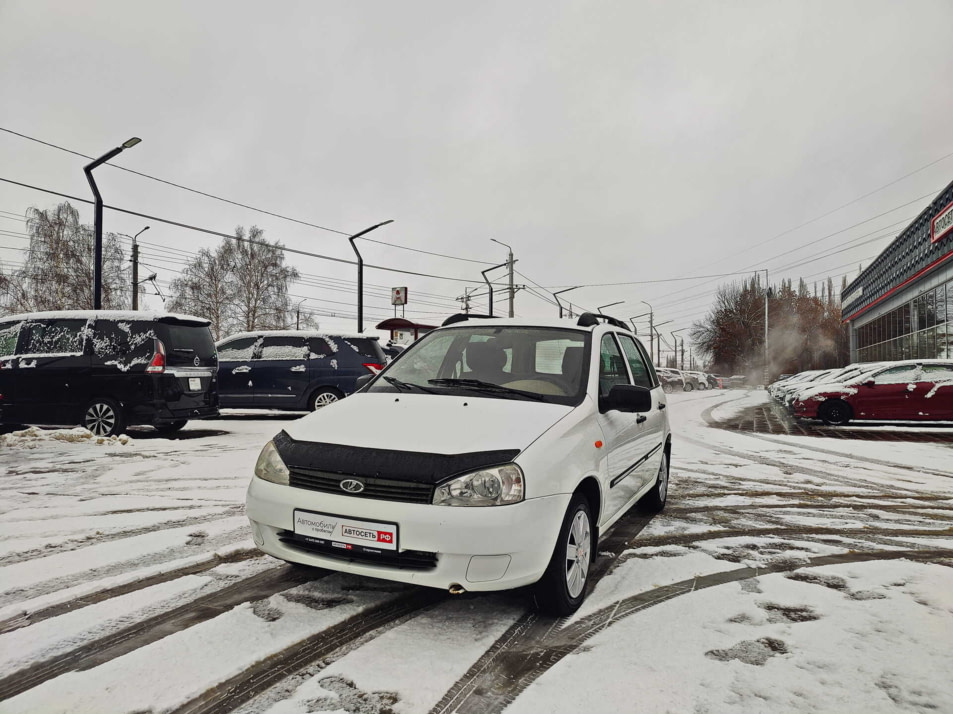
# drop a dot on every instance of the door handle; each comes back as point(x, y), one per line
point(241, 370)
point(298, 368)
point(641, 418)
point(661, 405)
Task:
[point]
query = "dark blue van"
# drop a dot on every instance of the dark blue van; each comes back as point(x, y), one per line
point(295, 370)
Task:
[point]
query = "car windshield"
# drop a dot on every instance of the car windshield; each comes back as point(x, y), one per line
point(495, 362)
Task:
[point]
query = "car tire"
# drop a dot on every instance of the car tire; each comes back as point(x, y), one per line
point(103, 417)
point(835, 412)
point(323, 397)
point(667, 388)
point(654, 500)
point(562, 588)
point(688, 387)
point(171, 427)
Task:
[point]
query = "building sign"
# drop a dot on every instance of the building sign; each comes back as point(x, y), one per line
point(941, 224)
point(398, 296)
point(853, 295)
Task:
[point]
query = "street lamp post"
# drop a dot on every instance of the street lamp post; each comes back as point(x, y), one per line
point(672, 333)
point(658, 341)
point(766, 291)
point(600, 308)
point(509, 262)
point(489, 284)
point(360, 274)
point(98, 218)
point(135, 267)
point(636, 317)
point(559, 292)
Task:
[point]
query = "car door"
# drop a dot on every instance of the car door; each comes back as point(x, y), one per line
point(53, 371)
point(281, 373)
point(889, 396)
point(626, 441)
point(652, 428)
point(236, 378)
point(9, 333)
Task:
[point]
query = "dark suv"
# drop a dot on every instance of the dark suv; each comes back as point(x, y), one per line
point(294, 370)
point(106, 370)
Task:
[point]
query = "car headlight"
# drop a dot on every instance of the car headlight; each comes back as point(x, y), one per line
point(494, 486)
point(270, 467)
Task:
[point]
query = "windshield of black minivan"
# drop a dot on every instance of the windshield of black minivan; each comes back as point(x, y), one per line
point(503, 362)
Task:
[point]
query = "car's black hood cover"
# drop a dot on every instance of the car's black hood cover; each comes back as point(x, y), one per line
point(412, 466)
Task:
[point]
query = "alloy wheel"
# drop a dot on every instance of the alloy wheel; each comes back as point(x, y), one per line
point(578, 554)
point(100, 419)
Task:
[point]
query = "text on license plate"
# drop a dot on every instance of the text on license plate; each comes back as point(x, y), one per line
point(343, 529)
point(195, 384)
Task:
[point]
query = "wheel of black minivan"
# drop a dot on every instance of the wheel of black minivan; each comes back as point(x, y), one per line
point(171, 427)
point(103, 417)
point(323, 397)
point(562, 588)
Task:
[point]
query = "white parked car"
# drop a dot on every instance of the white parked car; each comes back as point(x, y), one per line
point(491, 455)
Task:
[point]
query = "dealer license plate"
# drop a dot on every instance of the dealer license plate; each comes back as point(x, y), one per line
point(345, 532)
point(195, 384)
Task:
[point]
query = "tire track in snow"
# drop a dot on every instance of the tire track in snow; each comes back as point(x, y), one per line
point(232, 693)
point(534, 644)
point(90, 540)
point(127, 639)
point(30, 618)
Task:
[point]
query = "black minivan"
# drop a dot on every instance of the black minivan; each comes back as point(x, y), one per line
point(107, 370)
point(295, 370)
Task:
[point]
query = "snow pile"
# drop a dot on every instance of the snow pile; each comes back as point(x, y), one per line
point(32, 437)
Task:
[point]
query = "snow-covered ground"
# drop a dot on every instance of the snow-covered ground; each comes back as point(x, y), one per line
point(786, 574)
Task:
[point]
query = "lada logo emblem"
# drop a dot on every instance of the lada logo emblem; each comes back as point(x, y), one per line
point(352, 485)
point(196, 361)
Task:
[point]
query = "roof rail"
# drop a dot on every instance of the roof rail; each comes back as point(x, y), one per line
point(591, 319)
point(464, 316)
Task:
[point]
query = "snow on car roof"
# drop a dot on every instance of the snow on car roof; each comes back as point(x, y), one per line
point(298, 333)
point(140, 315)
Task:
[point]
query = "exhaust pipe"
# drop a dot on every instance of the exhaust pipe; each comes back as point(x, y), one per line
point(456, 589)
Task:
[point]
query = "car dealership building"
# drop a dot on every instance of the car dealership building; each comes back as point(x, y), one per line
point(901, 305)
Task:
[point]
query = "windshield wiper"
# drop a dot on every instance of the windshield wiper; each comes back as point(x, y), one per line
point(482, 386)
point(400, 385)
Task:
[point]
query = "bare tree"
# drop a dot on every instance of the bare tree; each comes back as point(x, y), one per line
point(241, 286)
point(58, 269)
point(204, 289)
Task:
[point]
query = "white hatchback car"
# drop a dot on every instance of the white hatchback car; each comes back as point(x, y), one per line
point(489, 455)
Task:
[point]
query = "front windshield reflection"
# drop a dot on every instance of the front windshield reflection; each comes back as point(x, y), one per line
point(503, 362)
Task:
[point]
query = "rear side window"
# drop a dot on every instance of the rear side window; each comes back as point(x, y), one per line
point(238, 350)
point(8, 338)
point(290, 348)
point(365, 347)
point(934, 373)
point(53, 337)
point(320, 347)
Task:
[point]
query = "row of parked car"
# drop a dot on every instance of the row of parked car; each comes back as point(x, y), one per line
point(908, 390)
point(108, 370)
point(686, 381)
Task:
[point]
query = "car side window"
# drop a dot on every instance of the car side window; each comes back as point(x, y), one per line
point(54, 337)
point(8, 338)
point(898, 375)
point(110, 340)
point(641, 374)
point(612, 369)
point(283, 348)
point(931, 373)
point(238, 350)
point(320, 347)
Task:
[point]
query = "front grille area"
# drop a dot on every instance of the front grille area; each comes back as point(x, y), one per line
point(403, 560)
point(379, 488)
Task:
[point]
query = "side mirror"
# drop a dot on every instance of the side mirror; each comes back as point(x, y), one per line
point(628, 398)
point(869, 383)
point(362, 381)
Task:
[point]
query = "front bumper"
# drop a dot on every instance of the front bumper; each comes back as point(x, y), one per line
point(480, 548)
point(806, 409)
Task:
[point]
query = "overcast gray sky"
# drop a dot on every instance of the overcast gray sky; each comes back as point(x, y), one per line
point(606, 142)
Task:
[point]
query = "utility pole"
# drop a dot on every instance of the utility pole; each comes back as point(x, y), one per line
point(651, 327)
point(509, 263)
point(360, 274)
point(765, 375)
point(135, 269)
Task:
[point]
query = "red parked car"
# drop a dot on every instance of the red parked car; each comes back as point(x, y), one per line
point(916, 390)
